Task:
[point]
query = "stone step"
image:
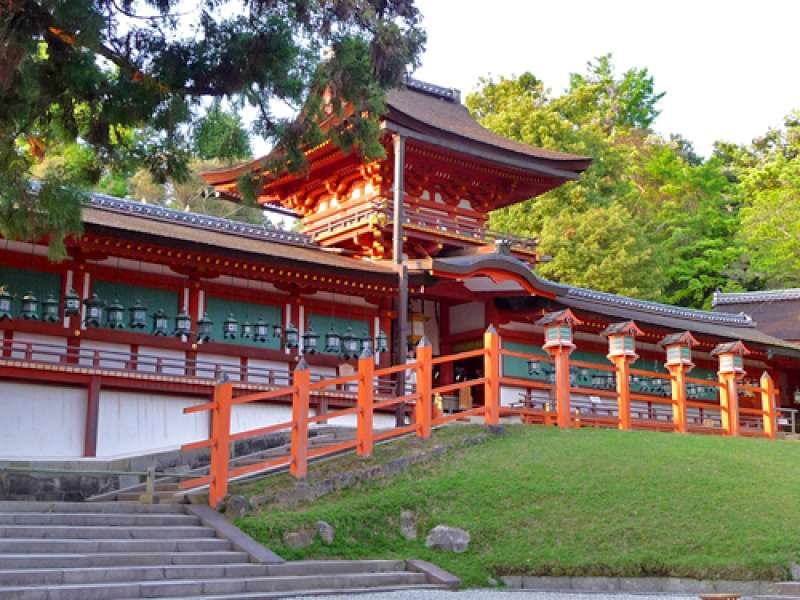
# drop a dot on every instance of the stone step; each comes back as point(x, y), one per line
point(54, 561)
point(105, 532)
point(38, 577)
point(325, 567)
point(791, 588)
point(163, 498)
point(61, 546)
point(11, 506)
point(106, 519)
point(320, 592)
point(197, 587)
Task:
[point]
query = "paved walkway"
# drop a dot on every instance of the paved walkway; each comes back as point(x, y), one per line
point(485, 594)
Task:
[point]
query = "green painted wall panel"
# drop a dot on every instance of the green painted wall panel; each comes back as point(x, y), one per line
point(19, 282)
point(218, 310)
point(127, 294)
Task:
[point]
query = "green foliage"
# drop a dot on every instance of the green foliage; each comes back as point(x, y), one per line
point(541, 501)
point(647, 219)
point(85, 75)
point(221, 135)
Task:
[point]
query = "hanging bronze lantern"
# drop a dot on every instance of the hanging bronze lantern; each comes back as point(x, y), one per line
point(382, 342)
point(183, 323)
point(138, 316)
point(366, 344)
point(247, 330)
point(310, 341)
point(277, 331)
point(205, 329)
point(30, 307)
point(292, 337)
point(94, 311)
point(115, 315)
point(72, 303)
point(160, 322)
point(5, 304)
point(230, 328)
point(261, 331)
point(50, 310)
point(350, 344)
point(333, 341)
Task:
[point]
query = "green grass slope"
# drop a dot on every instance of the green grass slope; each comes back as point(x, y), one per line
point(590, 502)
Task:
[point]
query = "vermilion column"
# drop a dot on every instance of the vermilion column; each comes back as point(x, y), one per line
point(623, 377)
point(678, 384)
point(558, 344)
point(768, 406)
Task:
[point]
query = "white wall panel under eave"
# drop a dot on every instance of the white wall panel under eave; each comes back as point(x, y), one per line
point(467, 317)
point(132, 422)
point(379, 421)
point(41, 421)
point(258, 414)
point(112, 356)
point(258, 371)
point(172, 361)
point(207, 365)
point(50, 348)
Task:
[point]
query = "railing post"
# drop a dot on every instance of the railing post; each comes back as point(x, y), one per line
point(366, 396)
point(731, 368)
point(220, 442)
point(424, 405)
point(301, 380)
point(678, 383)
point(768, 405)
point(679, 362)
point(558, 343)
point(622, 352)
point(491, 371)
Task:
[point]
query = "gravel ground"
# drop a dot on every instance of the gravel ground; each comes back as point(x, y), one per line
point(499, 595)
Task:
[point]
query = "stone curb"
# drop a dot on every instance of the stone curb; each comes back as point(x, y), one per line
point(239, 539)
point(434, 573)
point(638, 585)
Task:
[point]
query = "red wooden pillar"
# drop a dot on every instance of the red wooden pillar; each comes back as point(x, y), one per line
point(491, 371)
point(679, 363)
point(622, 352)
point(220, 443)
point(424, 405)
point(301, 379)
point(731, 369)
point(768, 406)
point(92, 417)
point(366, 392)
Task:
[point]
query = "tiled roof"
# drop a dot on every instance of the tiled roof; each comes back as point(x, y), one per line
point(679, 312)
point(749, 297)
point(198, 221)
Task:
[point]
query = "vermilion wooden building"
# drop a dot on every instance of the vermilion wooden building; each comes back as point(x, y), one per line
point(102, 352)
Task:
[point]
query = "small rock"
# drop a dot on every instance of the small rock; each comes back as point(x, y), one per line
point(297, 540)
point(408, 525)
point(325, 532)
point(447, 538)
point(492, 582)
point(236, 507)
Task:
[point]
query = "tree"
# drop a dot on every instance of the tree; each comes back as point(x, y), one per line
point(649, 218)
point(221, 135)
point(99, 73)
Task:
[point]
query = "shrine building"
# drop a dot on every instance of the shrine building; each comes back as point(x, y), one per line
point(103, 351)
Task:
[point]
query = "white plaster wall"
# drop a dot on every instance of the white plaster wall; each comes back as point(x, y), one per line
point(258, 414)
point(173, 364)
point(467, 317)
point(230, 364)
point(41, 421)
point(257, 371)
point(50, 355)
point(131, 422)
point(379, 421)
point(113, 361)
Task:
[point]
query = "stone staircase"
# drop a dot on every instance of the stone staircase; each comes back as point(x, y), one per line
point(110, 550)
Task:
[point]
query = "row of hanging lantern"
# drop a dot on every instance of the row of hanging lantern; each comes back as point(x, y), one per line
point(348, 345)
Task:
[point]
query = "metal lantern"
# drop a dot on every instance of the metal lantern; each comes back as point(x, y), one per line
point(50, 309)
point(230, 327)
point(115, 315)
point(277, 331)
point(622, 339)
point(350, 344)
point(94, 311)
point(333, 342)
point(160, 322)
point(366, 344)
point(381, 342)
point(292, 337)
point(5, 304)
point(72, 303)
point(247, 330)
point(679, 349)
point(558, 328)
point(534, 367)
point(731, 357)
point(138, 315)
point(30, 307)
point(261, 331)
point(183, 323)
point(310, 340)
point(205, 329)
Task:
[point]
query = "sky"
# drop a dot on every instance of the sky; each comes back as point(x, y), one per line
point(729, 69)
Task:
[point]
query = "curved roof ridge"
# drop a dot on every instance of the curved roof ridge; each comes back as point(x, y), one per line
point(738, 320)
point(778, 295)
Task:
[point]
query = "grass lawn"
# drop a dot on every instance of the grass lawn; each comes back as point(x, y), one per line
point(541, 501)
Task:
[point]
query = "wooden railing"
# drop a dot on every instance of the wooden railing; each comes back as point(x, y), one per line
point(419, 394)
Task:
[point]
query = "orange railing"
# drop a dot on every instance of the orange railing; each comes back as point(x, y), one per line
point(419, 394)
